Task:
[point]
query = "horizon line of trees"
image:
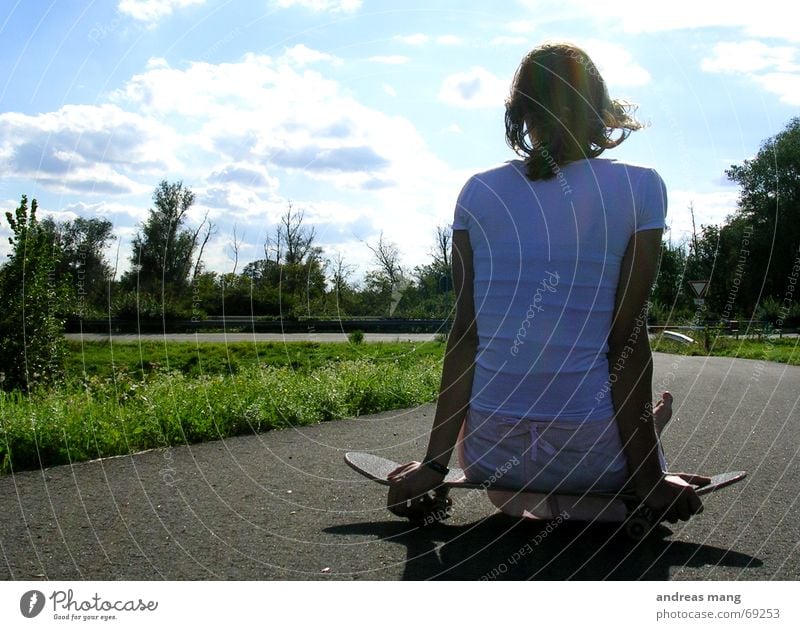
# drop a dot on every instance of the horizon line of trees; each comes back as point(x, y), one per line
point(58, 270)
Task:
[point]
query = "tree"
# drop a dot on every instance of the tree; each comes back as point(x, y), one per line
point(163, 252)
point(388, 282)
point(82, 264)
point(31, 298)
point(289, 248)
point(769, 205)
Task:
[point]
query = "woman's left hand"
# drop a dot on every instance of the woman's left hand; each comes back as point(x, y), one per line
point(408, 484)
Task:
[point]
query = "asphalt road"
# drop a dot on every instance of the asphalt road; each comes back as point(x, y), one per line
point(283, 505)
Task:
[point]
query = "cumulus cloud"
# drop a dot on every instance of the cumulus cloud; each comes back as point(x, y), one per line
point(341, 159)
point(775, 68)
point(414, 40)
point(245, 135)
point(289, 117)
point(473, 89)
point(616, 63)
point(301, 55)
point(710, 208)
point(85, 148)
point(252, 176)
point(750, 56)
point(152, 10)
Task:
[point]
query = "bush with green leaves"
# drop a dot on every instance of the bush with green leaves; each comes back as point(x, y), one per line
point(32, 300)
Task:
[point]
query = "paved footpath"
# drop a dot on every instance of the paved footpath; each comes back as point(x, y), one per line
point(282, 505)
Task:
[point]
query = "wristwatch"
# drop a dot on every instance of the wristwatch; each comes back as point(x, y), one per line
point(436, 467)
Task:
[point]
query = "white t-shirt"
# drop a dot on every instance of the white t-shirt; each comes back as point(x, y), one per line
point(546, 256)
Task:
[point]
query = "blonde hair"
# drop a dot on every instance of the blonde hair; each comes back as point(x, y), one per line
point(560, 98)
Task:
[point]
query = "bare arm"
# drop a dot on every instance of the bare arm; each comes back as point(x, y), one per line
point(412, 480)
point(459, 362)
point(631, 374)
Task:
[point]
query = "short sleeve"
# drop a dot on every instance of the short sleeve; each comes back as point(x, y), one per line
point(651, 211)
point(461, 216)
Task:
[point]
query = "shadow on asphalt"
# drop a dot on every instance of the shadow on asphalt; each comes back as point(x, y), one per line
point(503, 548)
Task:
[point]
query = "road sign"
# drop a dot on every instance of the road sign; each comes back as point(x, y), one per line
point(699, 287)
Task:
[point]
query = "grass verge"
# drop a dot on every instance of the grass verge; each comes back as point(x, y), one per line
point(123, 413)
point(786, 350)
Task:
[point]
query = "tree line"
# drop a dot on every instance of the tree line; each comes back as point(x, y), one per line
point(58, 270)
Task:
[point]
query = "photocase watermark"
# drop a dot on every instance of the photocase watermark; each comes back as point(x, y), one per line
point(554, 168)
point(99, 32)
point(783, 312)
point(639, 324)
point(744, 253)
point(67, 607)
point(527, 549)
point(234, 34)
point(398, 289)
point(197, 313)
point(547, 285)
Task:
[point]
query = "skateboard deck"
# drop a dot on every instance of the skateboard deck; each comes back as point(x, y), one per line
point(620, 506)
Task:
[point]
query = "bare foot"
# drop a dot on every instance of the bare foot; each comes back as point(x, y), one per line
point(662, 412)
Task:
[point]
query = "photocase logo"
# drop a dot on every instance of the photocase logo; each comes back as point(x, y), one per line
point(31, 604)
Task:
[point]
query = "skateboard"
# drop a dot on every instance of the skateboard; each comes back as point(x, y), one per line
point(638, 519)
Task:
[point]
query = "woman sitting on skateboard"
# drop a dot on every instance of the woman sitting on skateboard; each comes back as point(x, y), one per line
point(548, 361)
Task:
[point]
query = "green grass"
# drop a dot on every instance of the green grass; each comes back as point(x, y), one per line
point(785, 350)
point(195, 359)
point(126, 414)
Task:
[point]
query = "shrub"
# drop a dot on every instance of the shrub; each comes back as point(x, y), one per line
point(356, 337)
point(32, 346)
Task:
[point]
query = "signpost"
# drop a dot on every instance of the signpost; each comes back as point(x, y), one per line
point(699, 287)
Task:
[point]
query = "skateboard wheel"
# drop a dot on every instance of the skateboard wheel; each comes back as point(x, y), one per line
point(437, 508)
point(637, 527)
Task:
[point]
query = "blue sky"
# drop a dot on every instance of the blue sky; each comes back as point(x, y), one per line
point(367, 115)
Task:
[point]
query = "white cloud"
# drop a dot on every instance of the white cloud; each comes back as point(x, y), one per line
point(152, 10)
point(293, 133)
point(786, 85)
point(301, 55)
point(750, 56)
point(710, 208)
point(473, 89)
point(775, 68)
point(107, 210)
point(389, 90)
point(756, 19)
point(86, 148)
point(297, 124)
point(389, 59)
point(334, 6)
point(449, 40)
point(616, 64)
point(414, 40)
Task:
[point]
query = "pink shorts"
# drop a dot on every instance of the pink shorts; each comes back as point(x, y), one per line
point(543, 455)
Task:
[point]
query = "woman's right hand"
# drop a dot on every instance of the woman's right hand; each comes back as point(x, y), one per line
point(408, 484)
point(672, 497)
